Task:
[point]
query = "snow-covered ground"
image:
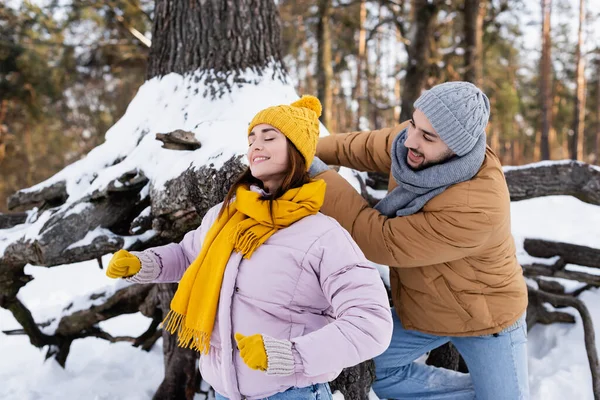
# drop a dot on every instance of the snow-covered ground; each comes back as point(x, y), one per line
point(96, 369)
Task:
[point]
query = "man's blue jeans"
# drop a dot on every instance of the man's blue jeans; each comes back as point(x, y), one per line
point(497, 366)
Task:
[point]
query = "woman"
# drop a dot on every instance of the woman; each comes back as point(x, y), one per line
point(275, 296)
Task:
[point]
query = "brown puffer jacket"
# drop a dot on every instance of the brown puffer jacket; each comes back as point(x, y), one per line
point(454, 269)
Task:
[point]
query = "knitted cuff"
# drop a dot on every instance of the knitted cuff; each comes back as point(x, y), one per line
point(280, 360)
point(150, 270)
point(317, 167)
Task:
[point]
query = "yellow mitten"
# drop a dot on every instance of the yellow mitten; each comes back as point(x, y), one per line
point(123, 264)
point(252, 350)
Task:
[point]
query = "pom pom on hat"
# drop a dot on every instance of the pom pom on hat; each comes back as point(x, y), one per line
point(310, 102)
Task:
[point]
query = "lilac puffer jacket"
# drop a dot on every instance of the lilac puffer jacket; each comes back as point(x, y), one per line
point(308, 283)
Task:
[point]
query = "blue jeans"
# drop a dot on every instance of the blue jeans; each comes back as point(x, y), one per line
point(320, 391)
point(497, 365)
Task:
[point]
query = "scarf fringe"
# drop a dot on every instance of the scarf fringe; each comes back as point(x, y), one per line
point(188, 338)
point(245, 241)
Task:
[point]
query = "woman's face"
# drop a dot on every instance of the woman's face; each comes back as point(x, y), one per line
point(268, 155)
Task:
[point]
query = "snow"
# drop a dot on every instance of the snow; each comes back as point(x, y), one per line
point(547, 163)
point(90, 236)
point(350, 176)
point(27, 231)
point(145, 212)
point(144, 237)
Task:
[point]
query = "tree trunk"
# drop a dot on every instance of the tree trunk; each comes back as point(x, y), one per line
point(421, 31)
point(546, 81)
point(474, 11)
point(222, 37)
point(359, 92)
point(576, 144)
point(324, 67)
point(355, 382)
point(597, 149)
point(181, 373)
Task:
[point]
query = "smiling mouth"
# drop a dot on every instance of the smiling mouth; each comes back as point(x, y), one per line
point(414, 156)
point(259, 159)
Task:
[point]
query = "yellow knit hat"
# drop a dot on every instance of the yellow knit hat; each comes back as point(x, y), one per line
point(299, 122)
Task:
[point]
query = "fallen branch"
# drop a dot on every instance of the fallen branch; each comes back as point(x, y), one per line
point(570, 253)
point(124, 301)
point(572, 178)
point(558, 300)
point(52, 196)
point(533, 270)
point(82, 323)
point(364, 191)
point(537, 312)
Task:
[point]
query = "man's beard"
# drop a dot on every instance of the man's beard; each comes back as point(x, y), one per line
point(430, 163)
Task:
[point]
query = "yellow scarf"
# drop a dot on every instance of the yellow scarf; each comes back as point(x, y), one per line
point(243, 228)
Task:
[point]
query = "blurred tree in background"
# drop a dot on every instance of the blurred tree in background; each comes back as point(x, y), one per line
point(69, 69)
point(67, 73)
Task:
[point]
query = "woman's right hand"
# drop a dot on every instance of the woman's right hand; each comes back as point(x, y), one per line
point(123, 264)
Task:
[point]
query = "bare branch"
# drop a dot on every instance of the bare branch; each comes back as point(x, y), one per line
point(572, 178)
point(588, 329)
point(569, 253)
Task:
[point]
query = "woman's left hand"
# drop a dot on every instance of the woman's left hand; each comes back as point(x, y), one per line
point(264, 353)
point(252, 351)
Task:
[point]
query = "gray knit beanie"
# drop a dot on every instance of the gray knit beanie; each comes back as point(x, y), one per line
point(459, 113)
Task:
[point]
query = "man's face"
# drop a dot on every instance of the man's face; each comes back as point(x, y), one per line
point(425, 147)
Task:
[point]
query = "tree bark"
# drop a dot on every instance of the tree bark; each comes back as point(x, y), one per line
point(221, 37)
point(474, 11)
point(546, 81)
point(597, 142)
point(421, 31)
point(10, 220)
point(355, 382)
point(447, 356)
point(576, 143)
point(324, 67)
point(359, 89)
point(49, 196)
point(570, 253)
point(535, 270)
point(572, 178)
point(182, 377)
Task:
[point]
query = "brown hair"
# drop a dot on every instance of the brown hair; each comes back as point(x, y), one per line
point(296, 177)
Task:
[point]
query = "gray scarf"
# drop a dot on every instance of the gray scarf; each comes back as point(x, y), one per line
point(415, 188)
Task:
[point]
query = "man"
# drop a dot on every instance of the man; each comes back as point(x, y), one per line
point(444, 229)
